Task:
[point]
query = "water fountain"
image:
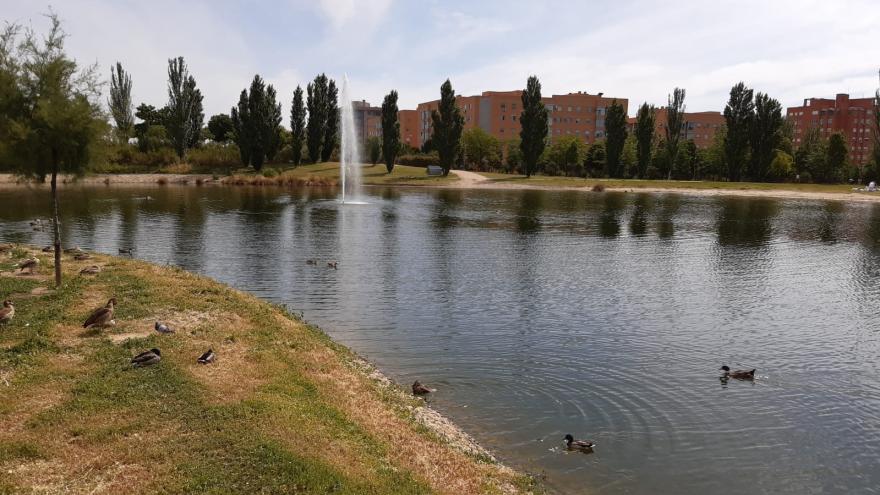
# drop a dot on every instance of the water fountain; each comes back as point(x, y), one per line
point(350, 158)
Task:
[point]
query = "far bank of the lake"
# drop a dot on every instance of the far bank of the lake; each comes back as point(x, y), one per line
point(327, 175)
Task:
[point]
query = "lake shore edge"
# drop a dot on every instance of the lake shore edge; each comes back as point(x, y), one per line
point(417, 443)
point(468, 180)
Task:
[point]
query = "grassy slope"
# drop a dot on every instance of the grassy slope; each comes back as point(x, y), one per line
point(540, 180)
point(282, 410)
point(375, 175)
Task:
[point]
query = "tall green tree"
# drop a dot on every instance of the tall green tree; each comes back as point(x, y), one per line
point(835, 159)
point(220, 128)
point(242, 127)
point(534, 126)
point(150, 132)
point(615, 137)
point(645, 123)
point(390, 130)
point(766, 135)
point(674, 125)
point(448, 125)
point(738, 115)
point(374, 149)
point(120, 102)
point(185, 116)
point(257, 120)
point(331, 128)
point(316, 102)
point(481, 149)
point(271, 126)
point(297, 125)
point(57, 121)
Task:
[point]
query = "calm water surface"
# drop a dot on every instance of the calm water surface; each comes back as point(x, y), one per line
point(537, 314)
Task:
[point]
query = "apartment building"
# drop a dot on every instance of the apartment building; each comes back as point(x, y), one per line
point(409, 127)
point(367, 120)
point(852, 117)
point(497, 112)
point(700, 127)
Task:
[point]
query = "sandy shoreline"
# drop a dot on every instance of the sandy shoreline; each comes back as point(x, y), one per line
point(472, 180)
point(466, 180)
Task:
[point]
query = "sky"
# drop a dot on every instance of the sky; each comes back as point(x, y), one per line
point(634, 49)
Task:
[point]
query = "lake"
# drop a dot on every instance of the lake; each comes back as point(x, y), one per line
point(541, 313)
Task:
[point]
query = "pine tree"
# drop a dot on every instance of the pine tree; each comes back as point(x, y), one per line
point(390, 130)
point(331, 128)
point(645, 123)
point(52, 108)
point(297, 125)
point(674, 125)
point(120, 102)
point(316, 102)
point(448, 125)
point(615, 129)
point(533, 120)
point(738, 115)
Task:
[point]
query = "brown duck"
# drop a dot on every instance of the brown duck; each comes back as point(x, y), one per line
point(82, 257)
point(7, 311)
point(419, 389)
point(738, 374)
point(102, 317)
point(29, 265)
point(90, 270)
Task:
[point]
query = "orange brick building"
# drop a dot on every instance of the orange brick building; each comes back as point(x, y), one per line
point(409, 127)
point(497, 112)
point(699, 126)
point(851, 117)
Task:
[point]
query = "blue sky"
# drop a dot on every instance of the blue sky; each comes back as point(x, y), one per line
point(635, 49)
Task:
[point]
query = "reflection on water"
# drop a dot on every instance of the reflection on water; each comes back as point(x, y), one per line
point(538, 314)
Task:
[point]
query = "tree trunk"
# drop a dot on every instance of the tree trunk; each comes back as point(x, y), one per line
point(55, 227)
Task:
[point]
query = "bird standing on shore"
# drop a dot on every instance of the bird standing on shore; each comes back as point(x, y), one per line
point(208, 357)
point(163, 328)
point(582, 445)
point(48, 249)
point(90, 270)
point(147, 358)
point(29, 264)
point(82, 256)
point(419, 389)
point(102, 317)
point(7, 311)
point(738, 374)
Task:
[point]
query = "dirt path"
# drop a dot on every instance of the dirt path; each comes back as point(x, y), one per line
point(473, 180)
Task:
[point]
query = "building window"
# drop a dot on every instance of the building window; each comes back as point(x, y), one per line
point(502, 117)
point(513, 118)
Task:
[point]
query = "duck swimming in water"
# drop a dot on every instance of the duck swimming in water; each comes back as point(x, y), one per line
point(419, 389)
point(738, 374)
point(572, 444)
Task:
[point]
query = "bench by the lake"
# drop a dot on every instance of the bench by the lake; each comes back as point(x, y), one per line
point(435, 170)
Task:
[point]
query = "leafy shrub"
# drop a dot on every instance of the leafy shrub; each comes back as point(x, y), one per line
point(420, 159)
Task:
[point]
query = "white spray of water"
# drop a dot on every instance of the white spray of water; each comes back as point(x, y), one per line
point(350, 157)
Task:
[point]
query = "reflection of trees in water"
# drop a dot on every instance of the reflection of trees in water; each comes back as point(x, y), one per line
point(609, 220)
point(745, 222)
point(669, 206)
point(638, 220)
point(447, 200)
point(529, 211)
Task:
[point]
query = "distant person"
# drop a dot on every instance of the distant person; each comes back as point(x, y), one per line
point(872, 186)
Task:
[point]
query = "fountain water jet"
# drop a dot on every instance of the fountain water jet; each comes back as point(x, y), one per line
point(350, 157)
